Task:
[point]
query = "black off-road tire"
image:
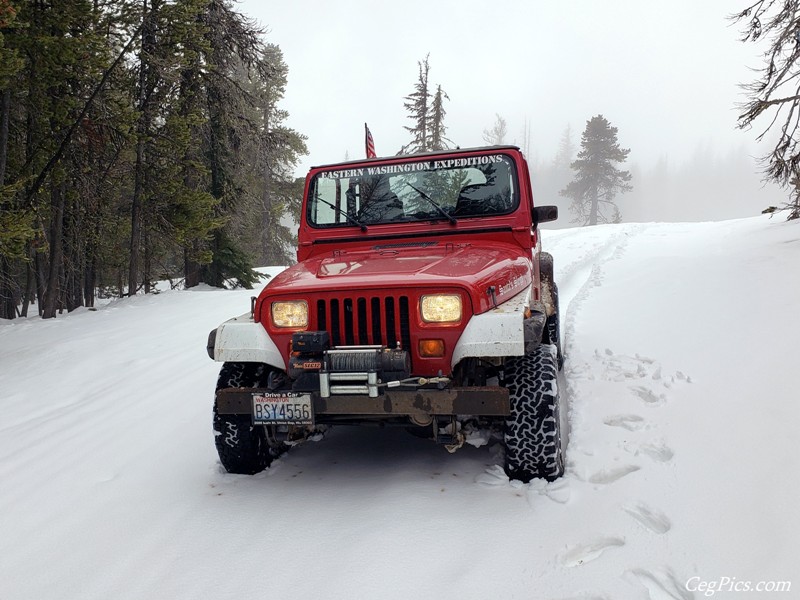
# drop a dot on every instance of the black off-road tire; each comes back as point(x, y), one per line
point(533, 429)
point(242, 447)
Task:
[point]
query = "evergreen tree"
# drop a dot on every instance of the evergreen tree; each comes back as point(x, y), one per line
point(438, 139)
point(776, 89)
point(427, 112)
point(239, 53)
point(16, 226)
point(267, 171)
point(597, 180)
point(417, 103)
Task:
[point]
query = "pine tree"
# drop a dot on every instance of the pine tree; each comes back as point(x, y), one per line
point(417, 103)
point(427, 112)
point(274, 194)
point(776, 89)
point(438, 139)
point(597, 180)
point(16, 227)
point(238, 53)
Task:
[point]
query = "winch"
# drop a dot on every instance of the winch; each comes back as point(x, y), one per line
point(315, 366)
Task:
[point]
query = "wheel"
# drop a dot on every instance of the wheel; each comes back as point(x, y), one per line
point(243, 448)
point(533, 429)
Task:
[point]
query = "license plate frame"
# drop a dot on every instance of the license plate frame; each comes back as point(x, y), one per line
point(282, 408)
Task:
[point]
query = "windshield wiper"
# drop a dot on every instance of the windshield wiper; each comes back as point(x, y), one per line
point(353, 220)
point(425, 196)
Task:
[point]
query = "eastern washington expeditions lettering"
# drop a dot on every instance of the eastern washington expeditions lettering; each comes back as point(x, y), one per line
point(431, 165)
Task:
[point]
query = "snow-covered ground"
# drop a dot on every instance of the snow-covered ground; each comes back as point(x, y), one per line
point(682, 349)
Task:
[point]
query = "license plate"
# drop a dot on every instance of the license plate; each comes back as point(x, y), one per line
point(282, 409)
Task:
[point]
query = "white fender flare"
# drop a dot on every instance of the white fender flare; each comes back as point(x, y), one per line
point(498, 332)
point(243, 340)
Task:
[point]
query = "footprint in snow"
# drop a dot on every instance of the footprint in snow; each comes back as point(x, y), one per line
point(607, 476)
point(651, 518)
point(648, 396)
point(661, 586)
point(629, 422)
point(658, 450)
point(583, 553)
point(622, 367)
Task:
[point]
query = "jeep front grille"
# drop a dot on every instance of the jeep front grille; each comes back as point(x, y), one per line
point(380, 320)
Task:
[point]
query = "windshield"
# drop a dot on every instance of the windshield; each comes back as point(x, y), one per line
point(432, 190)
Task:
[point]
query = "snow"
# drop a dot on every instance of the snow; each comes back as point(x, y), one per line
point(681, 349)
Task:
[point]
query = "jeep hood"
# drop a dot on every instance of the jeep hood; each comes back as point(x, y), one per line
point(483, 270)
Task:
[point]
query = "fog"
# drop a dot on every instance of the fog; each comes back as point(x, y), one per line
point(667, 76)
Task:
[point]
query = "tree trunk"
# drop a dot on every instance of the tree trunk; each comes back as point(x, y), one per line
point(5, 110)
point(90, 275)
point(30, 288)
point(52, 292)
point(136, 216)
point(148, 259)
point(41, 281)
point(7, 304)
point(211, 272)
point(74, 257)
point(142, 130)
point(593, 211)
point(191, 271)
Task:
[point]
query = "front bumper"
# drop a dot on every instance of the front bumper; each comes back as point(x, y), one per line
point(418, 404)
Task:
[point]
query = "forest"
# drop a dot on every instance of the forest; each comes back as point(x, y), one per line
point(139, 141)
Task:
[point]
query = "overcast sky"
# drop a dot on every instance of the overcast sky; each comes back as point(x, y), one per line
point(665, 74)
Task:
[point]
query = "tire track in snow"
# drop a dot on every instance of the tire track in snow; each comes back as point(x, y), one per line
point(574, 282)
point(578, 277)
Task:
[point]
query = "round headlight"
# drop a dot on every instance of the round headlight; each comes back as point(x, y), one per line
point(441, 308)
point(291, 314)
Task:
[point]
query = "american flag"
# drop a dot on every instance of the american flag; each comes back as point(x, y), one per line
point(369, 142)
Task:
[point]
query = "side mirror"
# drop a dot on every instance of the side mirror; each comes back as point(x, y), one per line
point(544, 214)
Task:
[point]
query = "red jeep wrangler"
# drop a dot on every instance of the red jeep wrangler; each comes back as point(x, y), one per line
point(420, 299)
